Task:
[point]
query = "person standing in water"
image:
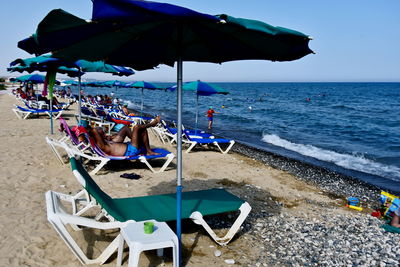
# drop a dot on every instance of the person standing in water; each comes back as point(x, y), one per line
point(210, 116)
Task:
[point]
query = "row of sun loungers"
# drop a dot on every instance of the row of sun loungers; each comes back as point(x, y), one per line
point(26, 112)
point(89, 151)
point(193, 138)
point(119, 212)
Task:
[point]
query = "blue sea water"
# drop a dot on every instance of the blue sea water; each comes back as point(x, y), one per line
point(351, 128)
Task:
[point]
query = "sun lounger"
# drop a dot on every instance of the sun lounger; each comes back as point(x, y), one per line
point(99, 155)
point(59, 218)
point(24, 113)
point(69, 136)
point(194, 141)
point(162, 208)
point(164, 132)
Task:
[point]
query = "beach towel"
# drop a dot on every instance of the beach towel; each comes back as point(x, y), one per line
point(391, 229)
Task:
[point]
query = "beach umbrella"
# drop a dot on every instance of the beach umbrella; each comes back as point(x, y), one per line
point(71, 72)
point(70, 82)
point(201, 88)
point(44, 62)
point(32, 78)
point(113, 83)
point(164, 34)
point(143, 85)
point(48, 62)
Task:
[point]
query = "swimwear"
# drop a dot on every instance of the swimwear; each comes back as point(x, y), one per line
point(210, 114)
point(133, 151)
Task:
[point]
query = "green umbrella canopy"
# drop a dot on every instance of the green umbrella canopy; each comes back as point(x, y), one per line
point(113, 83)
point(33, 78)
point(144, 85)
point(71, 72)
point(203, 41)
point(203, 88)
point(44, 62)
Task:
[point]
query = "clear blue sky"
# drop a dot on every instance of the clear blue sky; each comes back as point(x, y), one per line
point(354, 40)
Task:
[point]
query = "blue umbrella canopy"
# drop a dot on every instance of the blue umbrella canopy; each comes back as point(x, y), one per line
point(71, 72)
point(113, 83)
point(144, 85)
point(33, 78)
point(201, 88)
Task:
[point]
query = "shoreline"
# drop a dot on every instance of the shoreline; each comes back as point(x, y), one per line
point(336, 184)
point(330, 181)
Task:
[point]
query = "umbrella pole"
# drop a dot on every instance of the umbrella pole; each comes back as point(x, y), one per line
point(179, 159)
point(80, 100)
point(197, 110)
point(51, 114)
point(141, 106)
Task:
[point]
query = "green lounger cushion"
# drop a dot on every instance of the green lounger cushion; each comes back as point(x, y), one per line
point(391, 229)
point(160, 207)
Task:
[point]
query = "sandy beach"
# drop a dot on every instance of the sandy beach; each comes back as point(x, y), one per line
point(292, 223)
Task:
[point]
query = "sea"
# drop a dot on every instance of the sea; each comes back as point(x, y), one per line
point(349, 128)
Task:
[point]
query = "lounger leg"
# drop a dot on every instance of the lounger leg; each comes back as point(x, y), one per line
point(192, 145)
point(17, 113)
point(103, 161)
point(231, 143)
point(197, 218)
point(120, 250)
point(27, 115)
point(58, 114)
point(170, 157)
point(52, 143)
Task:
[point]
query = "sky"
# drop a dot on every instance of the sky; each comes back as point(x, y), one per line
point(353, 40)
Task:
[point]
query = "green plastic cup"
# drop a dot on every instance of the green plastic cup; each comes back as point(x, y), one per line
point(148, 227)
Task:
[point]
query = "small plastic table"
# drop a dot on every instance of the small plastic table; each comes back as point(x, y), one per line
point(133, 234)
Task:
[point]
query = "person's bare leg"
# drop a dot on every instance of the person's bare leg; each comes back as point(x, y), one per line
point(395, 221)
point(140, 136)
point(120, 136)
point(145, 141)
point(153, 123)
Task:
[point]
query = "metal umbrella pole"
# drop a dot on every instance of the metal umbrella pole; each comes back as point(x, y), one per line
point(197, 110)
point(141, 106)
point(51, 114)
point(80, 100)
point(179, 159)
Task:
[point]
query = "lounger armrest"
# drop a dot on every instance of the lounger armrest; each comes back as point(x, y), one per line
point(244, 209)
point(91, 223)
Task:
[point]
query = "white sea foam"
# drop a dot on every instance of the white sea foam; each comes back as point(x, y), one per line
point(131, 104)
point(347, 161)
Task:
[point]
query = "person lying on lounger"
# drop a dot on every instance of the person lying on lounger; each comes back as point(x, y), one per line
point(138, 145)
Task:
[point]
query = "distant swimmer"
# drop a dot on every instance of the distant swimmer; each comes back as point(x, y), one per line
point(210, 115)
point(308, 99)
point(223, 106)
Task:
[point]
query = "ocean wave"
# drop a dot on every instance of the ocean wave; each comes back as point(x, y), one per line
point(347, 161)
point(131, 104)
point(340, 106)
